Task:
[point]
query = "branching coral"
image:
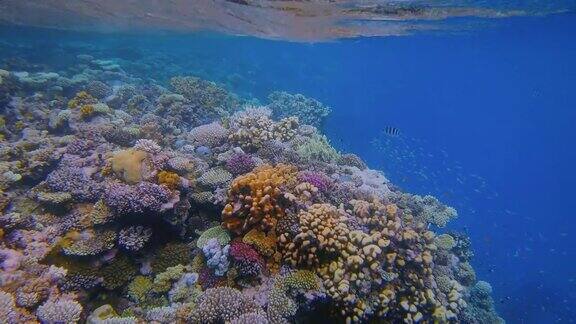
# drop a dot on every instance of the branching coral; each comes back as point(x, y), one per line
point(308, 110)
point(255, 199)
point(240, 163)
point(133, 238)
point(222, 305)
point(253, 127)
point(216, 256)
point(323, 230)
point(61, 311)
point(144, 196)
point(317, 148)
point(170, 255)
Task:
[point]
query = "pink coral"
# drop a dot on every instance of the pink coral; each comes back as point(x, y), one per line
point(317, 179)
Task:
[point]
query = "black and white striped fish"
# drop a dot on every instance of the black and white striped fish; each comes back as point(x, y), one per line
point(391, 131)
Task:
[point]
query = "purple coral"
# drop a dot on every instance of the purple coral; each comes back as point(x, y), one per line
point(75, 181)
point(80, 147)
point(134, 238)
point(145, 196)
point(240, 163)
point(317, 179)
point(210, 135)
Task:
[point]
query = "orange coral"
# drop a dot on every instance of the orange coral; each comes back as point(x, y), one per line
point(169, 179)
point(86, 111)
point(264, 244)
point(254, 199)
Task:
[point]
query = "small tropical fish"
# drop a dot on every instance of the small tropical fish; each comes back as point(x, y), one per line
point(391, 131)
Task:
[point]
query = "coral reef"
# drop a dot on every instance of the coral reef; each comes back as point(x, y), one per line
point(124, 199)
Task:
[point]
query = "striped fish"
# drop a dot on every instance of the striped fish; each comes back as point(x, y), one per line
point(391, 131)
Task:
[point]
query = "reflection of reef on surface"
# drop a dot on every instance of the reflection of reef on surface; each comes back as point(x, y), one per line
point(181, 202)
point(298, 20)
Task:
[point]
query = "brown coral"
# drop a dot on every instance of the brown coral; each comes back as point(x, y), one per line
point(255, 199)
point(169, 179)
point(128, 165)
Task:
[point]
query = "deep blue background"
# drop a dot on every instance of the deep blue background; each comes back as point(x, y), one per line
point(487, 121)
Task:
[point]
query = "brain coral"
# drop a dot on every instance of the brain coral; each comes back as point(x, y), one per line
point(254, 199)
point(210, 135)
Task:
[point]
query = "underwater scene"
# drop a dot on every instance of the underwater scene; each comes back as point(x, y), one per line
point(287, 161)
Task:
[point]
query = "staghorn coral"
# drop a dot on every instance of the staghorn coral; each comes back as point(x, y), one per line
point(75, 181)
point(147, 145)
point(254, 199)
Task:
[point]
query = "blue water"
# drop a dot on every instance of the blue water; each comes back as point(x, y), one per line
point(487, 121)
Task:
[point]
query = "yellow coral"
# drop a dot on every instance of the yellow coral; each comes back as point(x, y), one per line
point(86, 111)
point(257, 195)
point(82, 98)
point(169, 179)
point(128, 165)
point(322, 229)
point(264, 244)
